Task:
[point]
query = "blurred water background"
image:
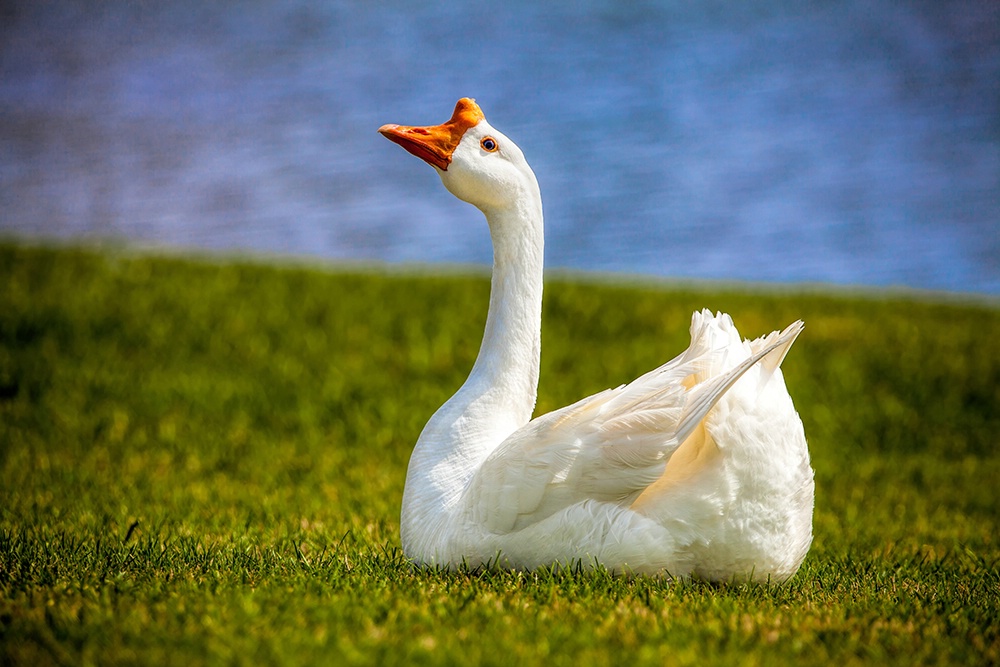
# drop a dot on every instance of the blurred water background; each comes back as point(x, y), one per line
point(847, 142)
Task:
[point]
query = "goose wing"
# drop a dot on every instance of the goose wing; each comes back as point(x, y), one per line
point(610, 446)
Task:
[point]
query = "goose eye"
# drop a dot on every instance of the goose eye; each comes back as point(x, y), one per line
point(489, 144)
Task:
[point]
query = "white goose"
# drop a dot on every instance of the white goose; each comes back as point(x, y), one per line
point(697, 469)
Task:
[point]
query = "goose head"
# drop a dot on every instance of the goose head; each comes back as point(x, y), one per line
point(476, 163)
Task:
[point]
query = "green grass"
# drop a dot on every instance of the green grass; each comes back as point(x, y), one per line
point(201, 463)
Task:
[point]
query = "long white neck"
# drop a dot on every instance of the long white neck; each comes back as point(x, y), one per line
point(499, 395)
point(506, 370)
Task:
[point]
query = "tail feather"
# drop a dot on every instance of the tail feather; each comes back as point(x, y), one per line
point(770, 352)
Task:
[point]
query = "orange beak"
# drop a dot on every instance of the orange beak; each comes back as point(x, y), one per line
point(435, 144)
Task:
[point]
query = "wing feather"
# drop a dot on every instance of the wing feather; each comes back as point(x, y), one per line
point(612, 445)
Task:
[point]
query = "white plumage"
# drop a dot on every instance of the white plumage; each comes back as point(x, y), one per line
point(698, 468)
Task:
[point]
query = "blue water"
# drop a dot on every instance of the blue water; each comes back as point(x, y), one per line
point(848, 143)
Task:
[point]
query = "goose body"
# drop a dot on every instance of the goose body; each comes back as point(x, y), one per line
point(698, 468)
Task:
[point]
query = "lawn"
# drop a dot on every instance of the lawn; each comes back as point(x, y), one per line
point(201, 463)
